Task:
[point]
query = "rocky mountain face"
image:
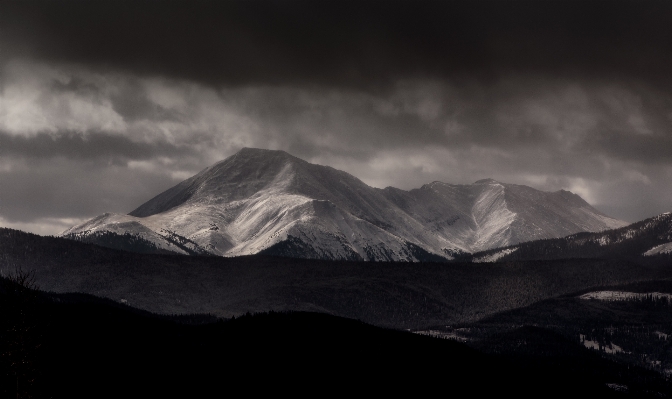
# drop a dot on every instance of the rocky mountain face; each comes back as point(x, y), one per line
point(263, 201)
point(650, 238)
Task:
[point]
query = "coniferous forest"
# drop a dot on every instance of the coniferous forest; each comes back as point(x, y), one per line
point(304, 326)
point(75, 345)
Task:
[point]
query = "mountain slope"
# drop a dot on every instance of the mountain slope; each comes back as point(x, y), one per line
point(649, 238)
point(489, 214)
point(272, 202)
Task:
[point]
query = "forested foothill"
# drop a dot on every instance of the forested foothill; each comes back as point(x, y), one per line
point(388, 294)
point(103, 324)
point(634, 328)
point(80, 346)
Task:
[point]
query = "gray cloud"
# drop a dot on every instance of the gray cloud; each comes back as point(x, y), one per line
point(62, 188)
point(91, 145)
point(77, 140)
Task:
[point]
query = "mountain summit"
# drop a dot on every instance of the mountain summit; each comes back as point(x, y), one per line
point(272, 202)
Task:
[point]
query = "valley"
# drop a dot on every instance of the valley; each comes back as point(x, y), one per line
point(391, 294)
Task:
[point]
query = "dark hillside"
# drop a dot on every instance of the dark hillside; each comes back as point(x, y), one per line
point(635, 330)
point(77, 346)
point(400, 295)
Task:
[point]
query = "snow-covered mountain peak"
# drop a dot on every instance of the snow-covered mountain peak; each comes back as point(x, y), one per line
point(238, 177)
point(270, 201)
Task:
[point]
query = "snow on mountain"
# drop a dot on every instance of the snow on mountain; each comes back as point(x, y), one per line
point(489, 214)
point(269, 201)
point(119, 224)
point(658, 227)
point(163, 239)
point(648, 237)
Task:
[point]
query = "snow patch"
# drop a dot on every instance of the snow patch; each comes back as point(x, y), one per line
point(617, 387)
point(454, 335)
point(604, 240)
point(659, 250)
point(496, 256)
point(611, 348)
point(623, 296)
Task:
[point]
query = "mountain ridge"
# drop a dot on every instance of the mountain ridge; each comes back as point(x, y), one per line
point(650, 237)
point(257, 199)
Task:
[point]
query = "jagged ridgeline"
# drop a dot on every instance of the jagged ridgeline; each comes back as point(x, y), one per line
point(262, 201)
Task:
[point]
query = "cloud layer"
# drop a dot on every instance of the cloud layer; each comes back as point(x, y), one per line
point(101, 113)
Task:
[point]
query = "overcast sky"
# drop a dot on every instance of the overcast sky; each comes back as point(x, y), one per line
point(105, 104)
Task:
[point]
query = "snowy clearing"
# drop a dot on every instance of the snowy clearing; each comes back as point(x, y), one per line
point(623, 296)
point(659, 250)
point(495, 257)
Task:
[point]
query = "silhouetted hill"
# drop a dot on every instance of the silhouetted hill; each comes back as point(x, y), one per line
point(630, 325)
point(81, 347)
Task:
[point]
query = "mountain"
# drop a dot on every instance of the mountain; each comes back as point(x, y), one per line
point(263, 201)
point(650, 238)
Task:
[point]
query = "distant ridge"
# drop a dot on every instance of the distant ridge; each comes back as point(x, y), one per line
point(267, 201)
point(648, 238)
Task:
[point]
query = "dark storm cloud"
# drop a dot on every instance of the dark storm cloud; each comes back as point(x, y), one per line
point(355, 43)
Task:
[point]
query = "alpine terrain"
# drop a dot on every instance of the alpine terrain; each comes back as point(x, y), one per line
point(264, 201)
point(650, 238)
